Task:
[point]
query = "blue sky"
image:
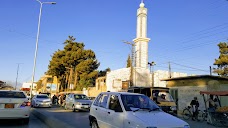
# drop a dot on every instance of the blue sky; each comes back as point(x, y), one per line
point(183, 32)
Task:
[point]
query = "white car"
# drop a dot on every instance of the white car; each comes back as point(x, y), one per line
point(130, 110)
point(14, 105)
point(77, 102)
point(41, 100)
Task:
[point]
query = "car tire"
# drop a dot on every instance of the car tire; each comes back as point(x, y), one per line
point(94, 124)
point(25, 121)
point(73, 108)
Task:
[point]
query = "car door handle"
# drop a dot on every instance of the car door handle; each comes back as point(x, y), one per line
point(108, 112)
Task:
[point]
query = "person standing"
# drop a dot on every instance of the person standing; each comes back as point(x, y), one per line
point(211, 104)
point(195, 105)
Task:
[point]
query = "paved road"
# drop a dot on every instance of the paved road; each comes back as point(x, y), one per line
point(201, 124)
point(34, 123)
point(76, 119)
point(80, 119)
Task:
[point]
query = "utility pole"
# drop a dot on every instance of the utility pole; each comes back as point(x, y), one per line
point(210, 70)
point(170, 75)
point(18, 66)
point(132, 60)
point(69, 78)
point(152, 72)
point(75, 78)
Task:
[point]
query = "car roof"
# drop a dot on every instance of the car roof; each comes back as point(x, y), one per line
point(76, 94)
point(121, 93)
point(11, 91)
point(42, 95)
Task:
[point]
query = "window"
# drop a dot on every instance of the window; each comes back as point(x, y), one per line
point(41, 96)
point(97, 100)
point(11, 94)
point(114, 104)
point(82, 97)
point(103, 100)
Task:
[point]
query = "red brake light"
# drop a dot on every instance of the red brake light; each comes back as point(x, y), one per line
point(26, 104)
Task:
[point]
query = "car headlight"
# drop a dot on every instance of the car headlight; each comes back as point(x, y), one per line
point(78, 103)
point(186, 126)
point(173, 108)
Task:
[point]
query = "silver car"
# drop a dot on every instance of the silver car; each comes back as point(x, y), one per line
point(41, 100)
point(77, 102)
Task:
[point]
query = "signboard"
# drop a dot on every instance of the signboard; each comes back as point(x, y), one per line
point(28, 85)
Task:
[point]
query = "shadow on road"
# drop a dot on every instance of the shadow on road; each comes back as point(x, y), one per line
point(14, 122)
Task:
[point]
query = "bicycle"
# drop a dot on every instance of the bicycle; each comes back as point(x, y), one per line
point(205, 115)
point(187, 114)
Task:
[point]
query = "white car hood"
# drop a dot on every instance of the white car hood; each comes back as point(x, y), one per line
point(43, 99)
point(159, 119)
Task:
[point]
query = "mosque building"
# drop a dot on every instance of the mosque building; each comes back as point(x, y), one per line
point(139, 74)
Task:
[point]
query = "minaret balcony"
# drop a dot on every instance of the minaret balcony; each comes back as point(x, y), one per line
point(141, 39)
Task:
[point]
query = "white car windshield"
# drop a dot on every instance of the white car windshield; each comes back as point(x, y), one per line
point(164, 97)
point(135, 102)
point(81, 97)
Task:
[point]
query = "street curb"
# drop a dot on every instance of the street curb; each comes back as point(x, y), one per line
point(50, 121)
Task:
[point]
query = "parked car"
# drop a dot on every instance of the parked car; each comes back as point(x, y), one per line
point(41, 100)
point(130, 110)
point(14, 105)
point(77, 102)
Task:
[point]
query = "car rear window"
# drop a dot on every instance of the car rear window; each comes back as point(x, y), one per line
point(11, 94)
point(42, 96)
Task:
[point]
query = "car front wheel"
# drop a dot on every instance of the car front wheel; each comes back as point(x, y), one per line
point(94, 124)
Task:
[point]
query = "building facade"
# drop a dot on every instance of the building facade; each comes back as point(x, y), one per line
point(184, 89)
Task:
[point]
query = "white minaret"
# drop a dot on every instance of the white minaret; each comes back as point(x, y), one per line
point(141, 73)
point(141, 40)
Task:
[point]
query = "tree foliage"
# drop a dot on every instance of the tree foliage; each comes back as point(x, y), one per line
point(38, 85)
point(129, 61)
point(74, 57)
point(103, 72)
point(222, 61)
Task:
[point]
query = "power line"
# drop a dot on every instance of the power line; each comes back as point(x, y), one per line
point(189, 67)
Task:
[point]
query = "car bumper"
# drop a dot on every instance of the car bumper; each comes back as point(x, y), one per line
point(82, 107)
point(15, 113)
point(42, 104)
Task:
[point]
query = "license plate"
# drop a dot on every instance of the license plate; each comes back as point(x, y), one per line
point(9, 105)
point(86, 106)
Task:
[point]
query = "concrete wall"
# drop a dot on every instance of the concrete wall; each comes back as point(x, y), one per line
point(186, 95)
point(93, 91)
point(187, 89)
point(116, 75)
point(161, 74)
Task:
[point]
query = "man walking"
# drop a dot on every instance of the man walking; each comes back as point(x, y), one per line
point(195, 105)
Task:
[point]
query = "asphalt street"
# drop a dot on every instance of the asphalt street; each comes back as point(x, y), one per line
point(80, 119)
point(34, 123)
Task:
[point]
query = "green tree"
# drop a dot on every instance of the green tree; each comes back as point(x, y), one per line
point(222, 61)
point(129, 61)
point(38, 85)
point(103, 72)
point(83, 62)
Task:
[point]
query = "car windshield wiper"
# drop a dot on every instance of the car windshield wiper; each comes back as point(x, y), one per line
point(154, 109)
point(142, 109)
